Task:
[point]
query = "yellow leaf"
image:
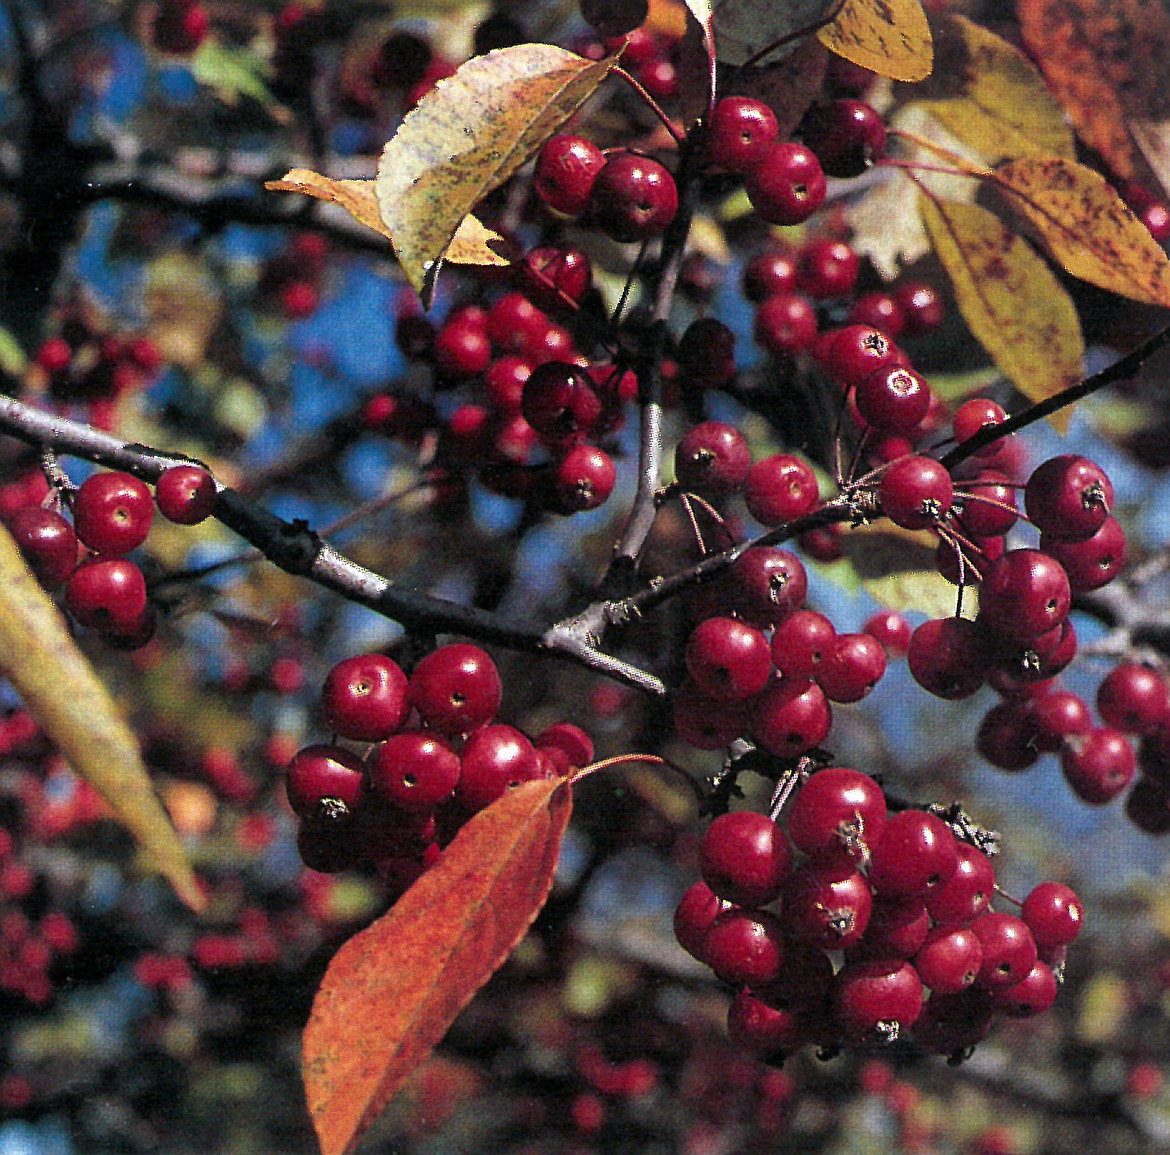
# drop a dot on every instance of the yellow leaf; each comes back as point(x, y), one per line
point(467, 136)
point(472, 244)
point(1012, 302)
point(74, 708)
point(889, 37)
point(897, 568)
point(991, 96)
point(1086, 227)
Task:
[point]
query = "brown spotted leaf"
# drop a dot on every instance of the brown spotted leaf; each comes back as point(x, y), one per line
point(472, 244)
point(72, 705)
point(392, 990)
point(1086, 227)
point(1108, 61)
point(991, 96)
point(467, 136)
point(889, 37)
point(1011, 300)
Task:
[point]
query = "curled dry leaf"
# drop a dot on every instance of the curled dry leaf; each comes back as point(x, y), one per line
point(1108, 61)
point(467, 136)
point(889, 37)
point(392, 991)
point(1012, 302)
point(72, 705)
point(991, 96)
point(471, 245)
point(1086, 227)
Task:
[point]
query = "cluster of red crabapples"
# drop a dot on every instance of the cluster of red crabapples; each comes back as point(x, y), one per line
point(902, 901)
point(104, 590)
point(432, 755)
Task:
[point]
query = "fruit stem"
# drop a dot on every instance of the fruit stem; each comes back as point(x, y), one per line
point(649, 759)
point(679, 137)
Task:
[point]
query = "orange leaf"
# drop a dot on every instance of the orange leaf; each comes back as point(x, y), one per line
point(1011, 300)
point(1086, 227)
point(889, 37)
point(1108, 61)
point(392, 991)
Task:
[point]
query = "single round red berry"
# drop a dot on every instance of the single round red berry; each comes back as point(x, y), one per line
point(1098, 765)
point(569, 741)
point(185, 494)
point(107, 594)
point(364, 698)
point(46, 541)
point(744, 947)
point(727, 658)
point(780, 488)
point(556, 277)
point(1092, 563)
point(921, 306)
point(837, 809)
point(847, 136)
point(787, 185)
point(877, 998)
point(584, 478)
point(947, 657)
point(456, 688)
point(893, 399)
point(967, 893)
point(633, 197)
point(769, 273)
point(462, 349)
point(712, 459)
point(414, 769)
point(972, 416)
point(559, 402)
point(891, 630)
point(739, 132)
point(112, 512)
point(914, 857)
point(790, 716)
point(745, 858)
point(950, 959)
point(827, 903)
point(766, 585)
point(916, 492)
point(325, 782)
point(693, 916)
point(1024, 593)
point(855, 667)
point(1068, 497)
point(802, 643)
point(765, 1030)
point(495, 759)
point(1134, 698)
point(785, 323)
point(879, 310)
point(565, 171)
point(826, 269)
point(1054, 915)
point(1009, 951)
point(897, 928)
point(852, 353)
point(706, 353)
point(1032, 995)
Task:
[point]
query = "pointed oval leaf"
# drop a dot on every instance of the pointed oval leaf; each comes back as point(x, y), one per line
point(1011, 300)
point(392, 991)
point(71, 704)
point(466, 137)
point(745, 28)
point(472, 244)
point(991, 96)
point(1086, 227)
point(1108, 62)
point(889, 37)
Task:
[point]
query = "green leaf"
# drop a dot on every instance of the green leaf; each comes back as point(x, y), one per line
point(467, 136)
point(1086, 227)
point(991, 96)
point(744, 28)
point(1011, 300)
point(61, 690)
point(12, 358)
point(232, 73)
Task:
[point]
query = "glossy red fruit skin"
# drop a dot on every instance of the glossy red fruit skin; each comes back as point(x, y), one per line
point(766, 585)
point(897, 928)
point(837, 809)
point(827, 903)
point(565, 171)
point(879, 309)
point(744, 947)
point(847, 136)
point(802, 642)
point(633, 198)
point(185, 494)
point(765, 1030)
point(584, 478)
point(1054, 915)
point(556, 277)
point(1007, 737)
point(456, 688)
point(967, 893)
point(745, 858)
point(1068, 497)
point(915, 492)
point(876, 997)
point(106, 594)
point(891, 630)
point(704, 722)
point(47, 543)
point(739, 132)
point(780, 488)
point(950, 959)
point(1024, 593)
point(980, 517)
point(787, 184)
point(1032, 995)
point(1009, 951)
point(914, 857)
point(1093, 563)
point(693, 916)
point(569, 740)
point(712, 459)
point(894, 399)
point(1098, 765)
point(769, 273)
point(495, 758)
point(462, 350)
point(853, 352)
point(727, 658)
point(325, 782)
point(414, 769)
point(972, 416)
point(1134, 699)
point(790, 716)
point(855, 667)
point(559, 402)
point(947, 657)
point(785, 324)
point(112, 512)
point(827, 269)
point(364, 698)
